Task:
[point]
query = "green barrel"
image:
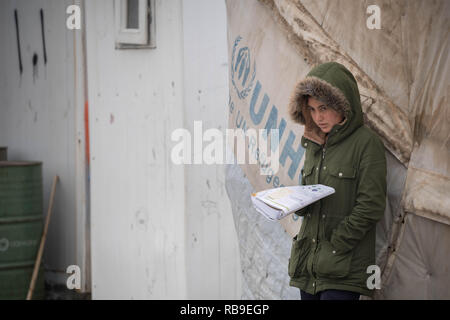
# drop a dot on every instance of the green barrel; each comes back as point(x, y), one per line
point(3, 154)
point(21, 226)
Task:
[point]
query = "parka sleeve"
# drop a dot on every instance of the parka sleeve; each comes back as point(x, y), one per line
point(370, 200)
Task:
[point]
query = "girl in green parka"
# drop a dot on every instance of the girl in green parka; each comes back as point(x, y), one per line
point(335, 246)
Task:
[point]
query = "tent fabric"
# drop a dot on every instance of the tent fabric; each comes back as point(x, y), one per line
point(402, 73)
point(418, 271)
point(264, 245)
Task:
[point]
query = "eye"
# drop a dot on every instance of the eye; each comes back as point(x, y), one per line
point(322, 108)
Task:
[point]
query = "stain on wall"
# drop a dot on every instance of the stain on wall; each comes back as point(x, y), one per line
point(19, 53)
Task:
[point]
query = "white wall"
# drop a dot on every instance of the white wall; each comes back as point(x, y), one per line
point(159, 230)
point(41, 112)
point(137, 195)
point(212, 252)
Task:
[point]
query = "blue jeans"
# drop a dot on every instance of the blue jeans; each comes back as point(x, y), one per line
point(330, 295)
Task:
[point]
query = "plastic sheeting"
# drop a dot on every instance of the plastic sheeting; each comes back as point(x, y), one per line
point(264, 245)
point(403, 76)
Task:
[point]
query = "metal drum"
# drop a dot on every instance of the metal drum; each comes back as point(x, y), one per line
point(3, 154)
point(21, 227)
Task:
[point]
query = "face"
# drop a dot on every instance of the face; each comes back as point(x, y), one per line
point(324, 117)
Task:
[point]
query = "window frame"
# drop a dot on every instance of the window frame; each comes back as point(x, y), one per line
point(144, 36)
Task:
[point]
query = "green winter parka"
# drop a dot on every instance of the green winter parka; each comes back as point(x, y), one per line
point(336, 241)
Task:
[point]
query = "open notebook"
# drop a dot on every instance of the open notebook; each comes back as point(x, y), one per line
point(277, 203)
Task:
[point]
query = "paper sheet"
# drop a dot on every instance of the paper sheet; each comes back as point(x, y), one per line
point(275, 204)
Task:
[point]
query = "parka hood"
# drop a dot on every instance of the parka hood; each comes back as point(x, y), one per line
point(334, 85)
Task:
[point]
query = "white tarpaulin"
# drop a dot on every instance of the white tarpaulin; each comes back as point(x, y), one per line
point(402, 70)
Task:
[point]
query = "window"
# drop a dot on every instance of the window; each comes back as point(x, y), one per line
point(135, 24)
point(132, 8)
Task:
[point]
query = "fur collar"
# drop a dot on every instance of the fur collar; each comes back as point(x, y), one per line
point(322, 91)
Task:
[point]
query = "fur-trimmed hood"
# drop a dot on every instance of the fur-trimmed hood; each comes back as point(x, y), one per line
point(334, 85)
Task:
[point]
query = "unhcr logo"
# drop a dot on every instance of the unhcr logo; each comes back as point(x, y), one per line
point(242, 72)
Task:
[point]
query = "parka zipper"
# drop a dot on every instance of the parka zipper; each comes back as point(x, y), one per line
point(324, 149)
point(318, 224)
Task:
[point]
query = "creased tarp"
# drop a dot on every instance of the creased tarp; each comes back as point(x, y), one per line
point(419, 271)
point(402, 74)
point(313, 42)
point(261, 81)
point(264, 246)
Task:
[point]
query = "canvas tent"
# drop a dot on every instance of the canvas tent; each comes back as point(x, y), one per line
point(402, 70)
